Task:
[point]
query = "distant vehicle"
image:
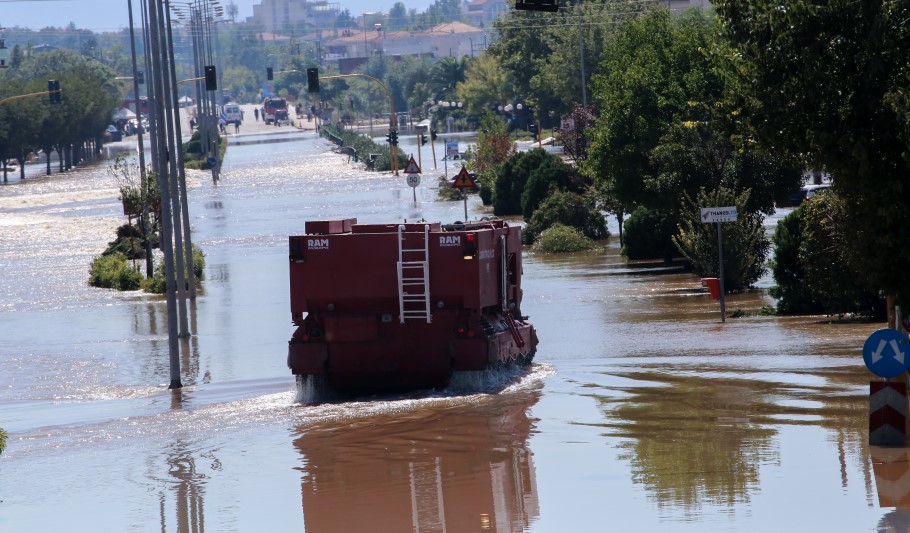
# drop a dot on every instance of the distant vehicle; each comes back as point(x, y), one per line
point(806, 192)
point(809, 191)
point(270, 106)
point(112, 134)
point(454, 157)
point(232, 114)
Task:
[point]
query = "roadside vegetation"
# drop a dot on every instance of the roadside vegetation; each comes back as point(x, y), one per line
point(120, 265)
point(679, 111)
point(363, 147)
point(72, 129)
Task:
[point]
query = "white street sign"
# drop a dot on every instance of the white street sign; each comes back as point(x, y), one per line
point(413, 180)
point(718, 214)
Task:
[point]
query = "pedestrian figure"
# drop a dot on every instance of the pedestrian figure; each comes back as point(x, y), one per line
point(256, 113)
point(236, 127)
point(221, 123)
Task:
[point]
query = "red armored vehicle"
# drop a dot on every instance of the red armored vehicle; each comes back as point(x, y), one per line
point(403, 306)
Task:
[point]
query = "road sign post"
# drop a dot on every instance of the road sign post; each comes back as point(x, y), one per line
point(464, 180)
point(413, 171)
point(718, 215)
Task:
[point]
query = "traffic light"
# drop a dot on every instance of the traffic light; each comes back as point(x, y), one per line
point(211, 81)
point(140, 77)
point(388, 137)
point(53, 91)
point(423, 139)
point(312, 79)
point(269, 74)
point(433, 135)
point(394, 140)
point(532, 128)
point(550, 6)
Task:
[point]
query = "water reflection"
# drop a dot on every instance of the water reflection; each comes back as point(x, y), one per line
point(696, 442)
point(458, 470)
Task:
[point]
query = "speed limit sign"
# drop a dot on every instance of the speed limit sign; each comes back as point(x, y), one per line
point(413, 180)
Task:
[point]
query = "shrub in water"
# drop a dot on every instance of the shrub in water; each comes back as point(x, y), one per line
point(156, 284)
point(559, 239)
point(114, 272)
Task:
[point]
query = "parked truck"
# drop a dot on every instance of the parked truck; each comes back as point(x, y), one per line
point(275, 111)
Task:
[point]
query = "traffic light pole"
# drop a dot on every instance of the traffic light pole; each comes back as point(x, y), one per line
point(30, 95)
point(393, 122)
point(419, 158)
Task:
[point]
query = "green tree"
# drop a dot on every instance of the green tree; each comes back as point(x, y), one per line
point(745, 244)
point(398, 16)
point(653, 68)
point(549, 173)
point(566, 208)
point(345, 20)
point(486, 85)
point(541, 51)
point(828, 81)
point(445, 75)
point(792, 289)
point(511, 178)
point(493, 148)
point(831, 279)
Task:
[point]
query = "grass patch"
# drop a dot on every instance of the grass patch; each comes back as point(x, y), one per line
point(767, 310)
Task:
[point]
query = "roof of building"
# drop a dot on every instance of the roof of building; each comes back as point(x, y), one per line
point(453, 27)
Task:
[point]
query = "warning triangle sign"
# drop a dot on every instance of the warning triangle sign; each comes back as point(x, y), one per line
point(412, 167)
point(464, 180)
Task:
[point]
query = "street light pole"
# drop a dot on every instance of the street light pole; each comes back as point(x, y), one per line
point(143, 180)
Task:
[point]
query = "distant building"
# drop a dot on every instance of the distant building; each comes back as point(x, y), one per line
point(284, 15)
point(453, 39)
point(482, 13)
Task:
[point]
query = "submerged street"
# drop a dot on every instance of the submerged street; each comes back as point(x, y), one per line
point(642, 412)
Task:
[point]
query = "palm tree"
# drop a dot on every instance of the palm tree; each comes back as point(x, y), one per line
point(445, 75)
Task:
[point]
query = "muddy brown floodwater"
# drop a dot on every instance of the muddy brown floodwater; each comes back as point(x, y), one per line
point(642, 411)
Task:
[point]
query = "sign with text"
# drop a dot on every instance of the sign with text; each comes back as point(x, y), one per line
point(718, 214)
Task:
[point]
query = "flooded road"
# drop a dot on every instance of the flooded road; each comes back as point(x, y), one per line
point(642, 412)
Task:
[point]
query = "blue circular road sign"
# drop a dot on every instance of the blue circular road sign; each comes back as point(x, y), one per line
point(887, 353)
point(212, 161)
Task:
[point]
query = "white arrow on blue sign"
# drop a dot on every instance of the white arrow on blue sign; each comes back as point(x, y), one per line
point(887, 353)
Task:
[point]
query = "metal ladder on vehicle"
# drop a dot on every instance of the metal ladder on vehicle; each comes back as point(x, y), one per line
point(414, 278)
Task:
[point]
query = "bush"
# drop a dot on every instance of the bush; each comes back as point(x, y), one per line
point(511, 177)
point(129, 243)
point(745, 242)
point(2, 440)
point(549, 175)
point(559, 239)
point(792, 294)
point(364, 146)
point(114, 272)
point(648, 234)
point(567, 209)
point(811, 266)
point(156, 284)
